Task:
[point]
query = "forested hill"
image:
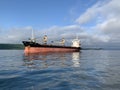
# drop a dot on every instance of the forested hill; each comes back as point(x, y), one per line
point(11, 46)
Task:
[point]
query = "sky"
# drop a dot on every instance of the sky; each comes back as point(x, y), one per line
point(95, 22)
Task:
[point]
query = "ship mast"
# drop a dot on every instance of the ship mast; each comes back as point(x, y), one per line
point(32, 38)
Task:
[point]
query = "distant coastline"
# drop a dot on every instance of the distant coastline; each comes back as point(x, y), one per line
point(21, 47)
point(11, 46)
point(91, 48)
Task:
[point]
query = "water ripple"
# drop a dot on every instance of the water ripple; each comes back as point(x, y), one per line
point(88, 70)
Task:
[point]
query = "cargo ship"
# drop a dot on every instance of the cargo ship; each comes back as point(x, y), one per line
point(31, 46)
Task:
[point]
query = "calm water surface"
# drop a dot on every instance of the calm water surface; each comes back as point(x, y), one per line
point(85, 70)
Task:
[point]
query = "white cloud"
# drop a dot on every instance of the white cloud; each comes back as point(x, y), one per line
point(88, 15)
point(15, 35)
point(106, 28)
point(111, 26)
point(111, 9)
point(101, 10)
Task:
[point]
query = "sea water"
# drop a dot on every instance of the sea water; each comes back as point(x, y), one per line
point(84, 70)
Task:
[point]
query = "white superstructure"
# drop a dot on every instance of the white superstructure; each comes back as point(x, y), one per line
point(76, 43)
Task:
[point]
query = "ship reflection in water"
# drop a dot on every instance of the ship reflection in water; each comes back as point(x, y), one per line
point(76, 59)
point(51, 60)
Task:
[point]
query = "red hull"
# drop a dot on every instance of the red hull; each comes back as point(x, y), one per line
point(48, 49)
